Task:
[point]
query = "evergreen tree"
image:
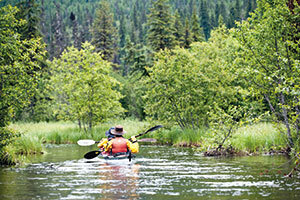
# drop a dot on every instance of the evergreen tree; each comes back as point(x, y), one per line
point(217, 14)
point(141, 61)
point(238, 13)
point(223, 12)
point(129, 54)
point(58, 43)
point(30, 11)
point(205, 19)
point(75, 36)
point(104, 32)
point(231, 18)
point(160, 21)
point(122, 32)
point(197, 33)
point(187, 34)
point(235, 14)
point(249, 8)
point(179, 30)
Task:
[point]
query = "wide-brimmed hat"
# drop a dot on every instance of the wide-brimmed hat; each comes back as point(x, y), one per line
point(118, 130)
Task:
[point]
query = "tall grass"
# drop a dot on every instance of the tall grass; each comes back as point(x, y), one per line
point(258, 137)
point(68, 132)
point(179, 137)
point(34, 135)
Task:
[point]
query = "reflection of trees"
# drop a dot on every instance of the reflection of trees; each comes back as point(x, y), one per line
point(119, 181)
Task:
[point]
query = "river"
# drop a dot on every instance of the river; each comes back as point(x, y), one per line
point(158, 172)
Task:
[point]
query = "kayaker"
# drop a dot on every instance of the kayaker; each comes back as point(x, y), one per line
point(109, 134)
point(119, 145)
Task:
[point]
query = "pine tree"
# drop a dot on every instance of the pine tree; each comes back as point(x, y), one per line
point(231, 18)
point(129, 54)
point(104, 32)
point(75, 36)
point(30, 11)
point(58, 38)
point(160, 21)
point(205, 19)
point(235, 14)
point(179, 30)
point(187, 34)
point(217, 14)
point(238, 8)
point(197, 32)
point(249, 8)
point(223, 12)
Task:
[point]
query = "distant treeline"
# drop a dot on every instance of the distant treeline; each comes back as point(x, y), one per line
point(57, 19)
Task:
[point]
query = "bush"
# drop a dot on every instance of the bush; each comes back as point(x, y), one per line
point(7, 136)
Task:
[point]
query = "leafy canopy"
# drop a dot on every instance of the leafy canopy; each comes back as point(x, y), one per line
point(84, 88)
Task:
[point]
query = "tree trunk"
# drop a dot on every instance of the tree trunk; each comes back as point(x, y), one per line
point(286, 120)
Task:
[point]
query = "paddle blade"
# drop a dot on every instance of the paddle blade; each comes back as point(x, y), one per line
point(151, 129)
point(85, 142)
point(154, 128)
point(92, 154)
point(147, 140)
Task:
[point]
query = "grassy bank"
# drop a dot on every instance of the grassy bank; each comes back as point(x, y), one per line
point(34, 135)
point(255, 138)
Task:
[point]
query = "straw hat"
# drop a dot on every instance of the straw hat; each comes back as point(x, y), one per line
point(118, 130)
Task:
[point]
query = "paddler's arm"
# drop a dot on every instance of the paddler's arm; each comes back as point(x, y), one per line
point(102, 143)
point(108, 146)
point(133, 146)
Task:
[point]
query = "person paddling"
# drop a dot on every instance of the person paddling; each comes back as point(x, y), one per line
point(118, 145)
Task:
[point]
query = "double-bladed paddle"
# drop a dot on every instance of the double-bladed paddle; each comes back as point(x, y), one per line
point(93, 154)
point(86, 142)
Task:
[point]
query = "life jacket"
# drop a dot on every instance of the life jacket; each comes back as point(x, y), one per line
point(119, 145)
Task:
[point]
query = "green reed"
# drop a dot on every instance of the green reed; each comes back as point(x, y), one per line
point(258, 137)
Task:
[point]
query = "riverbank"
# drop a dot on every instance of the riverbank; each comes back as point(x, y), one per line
point(254, 139)
point(249, 140)
point(35, 135)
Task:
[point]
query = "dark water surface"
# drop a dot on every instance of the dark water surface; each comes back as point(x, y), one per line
point(157, 173)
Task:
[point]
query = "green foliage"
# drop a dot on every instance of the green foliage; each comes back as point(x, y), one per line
point(30, 12)
point(68, 133)
point(270, 40)
point(19, 64)
point(205, 19)
point(84, 88)
point(258, 137)
point(130, 18)
point(197, 32)
point(133, 90)
point(185, 85)
point(161, 26)
point(104, 32)
point(19, 59)
point(7, 136)
point(178, 30)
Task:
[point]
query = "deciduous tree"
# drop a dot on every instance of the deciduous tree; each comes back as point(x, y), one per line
point(84, 88)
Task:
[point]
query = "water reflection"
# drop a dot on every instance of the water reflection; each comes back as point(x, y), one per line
point(156, 173)
point(122, 179)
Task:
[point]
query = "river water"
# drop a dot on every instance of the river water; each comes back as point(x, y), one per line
point(158, 172)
